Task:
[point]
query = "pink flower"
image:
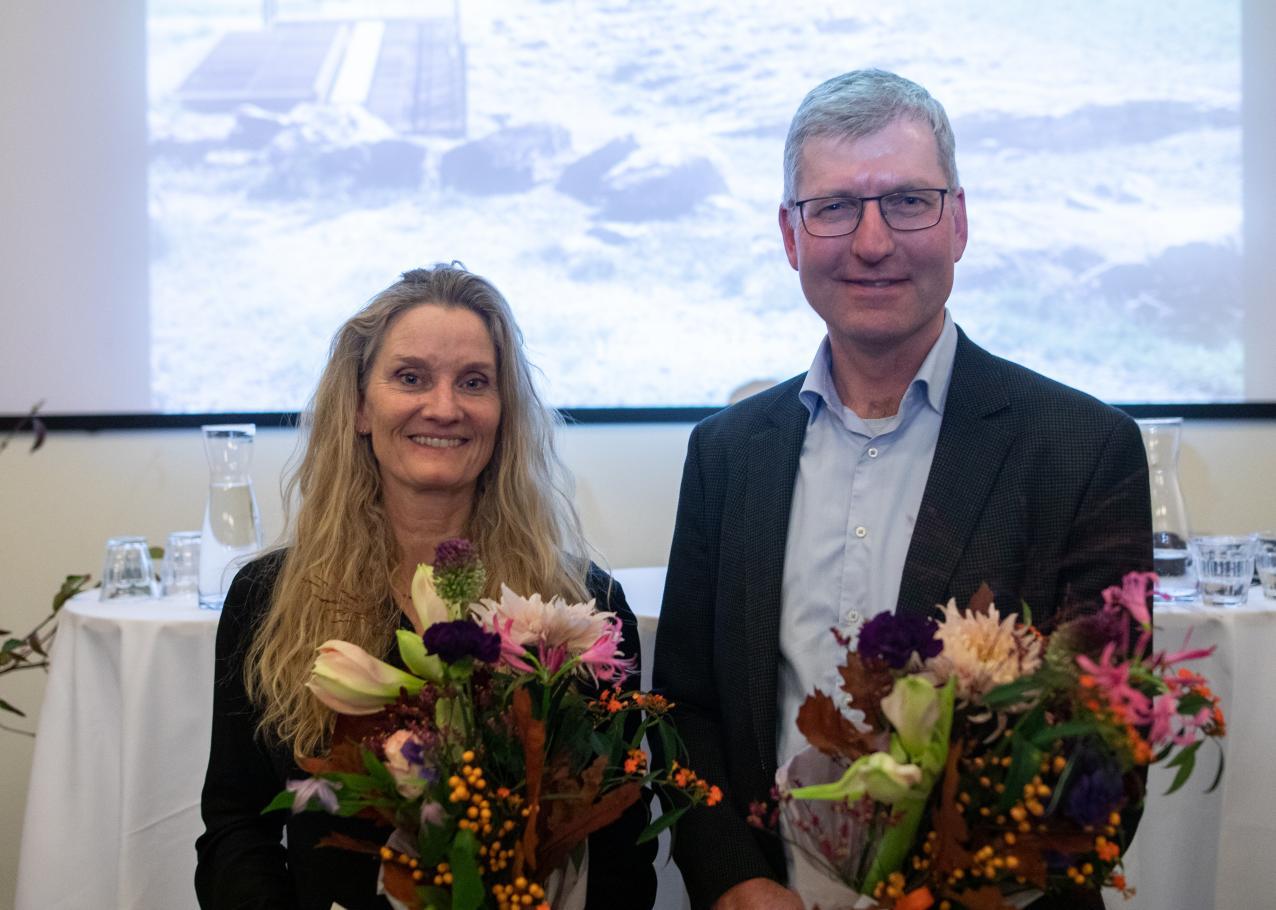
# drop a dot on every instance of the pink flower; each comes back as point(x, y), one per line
point(404, 754)
point(1133, 596)
point(554, 634)
point(1113, 680)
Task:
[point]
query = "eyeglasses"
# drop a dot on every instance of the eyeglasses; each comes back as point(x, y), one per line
point(907, 210)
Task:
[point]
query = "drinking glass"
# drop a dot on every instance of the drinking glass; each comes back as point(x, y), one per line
point(127, 571)
point(179, 573)
point(1224, 568)
point(1265, 561)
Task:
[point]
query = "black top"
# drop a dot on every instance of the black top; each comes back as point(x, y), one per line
point(242, 862)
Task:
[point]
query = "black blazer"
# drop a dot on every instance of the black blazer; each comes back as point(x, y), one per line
point(242, 863)
point(1035, 488)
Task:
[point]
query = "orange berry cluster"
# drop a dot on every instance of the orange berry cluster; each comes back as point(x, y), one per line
point(402, 859)
point(519, 894)
point(1115, 714)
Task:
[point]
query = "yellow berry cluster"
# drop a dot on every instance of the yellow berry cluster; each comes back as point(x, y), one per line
point(519, 894)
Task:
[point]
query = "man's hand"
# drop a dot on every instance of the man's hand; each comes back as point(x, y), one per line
point(758, 894)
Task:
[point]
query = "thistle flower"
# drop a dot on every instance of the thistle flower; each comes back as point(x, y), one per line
point(982, 651)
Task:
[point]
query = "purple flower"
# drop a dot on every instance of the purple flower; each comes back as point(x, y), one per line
point(313, 788)
point(452, 641)
point(458, 574)
point(454, 553)
point(1095, 788)
point(893, 638)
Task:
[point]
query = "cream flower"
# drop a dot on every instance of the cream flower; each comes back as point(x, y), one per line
point(983, 651)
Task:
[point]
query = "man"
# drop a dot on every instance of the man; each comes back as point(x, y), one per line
point(906, 467)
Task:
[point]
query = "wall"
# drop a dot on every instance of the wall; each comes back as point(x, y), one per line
point(61, 503)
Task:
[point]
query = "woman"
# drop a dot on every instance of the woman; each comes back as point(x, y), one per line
point(425, 426)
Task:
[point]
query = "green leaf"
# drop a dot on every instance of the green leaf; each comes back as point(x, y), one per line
point(1218, 775)
point(1012, 692)
point(1192, 703)
point(72, 586)
point(1025, 758)
point(5, 706)
point(282, 800)
point(666, 819)
point(1064, 731)
point(415, 658)
point(12, 645)
point(1026, 612)
point(1185, 761)
point(467, 882)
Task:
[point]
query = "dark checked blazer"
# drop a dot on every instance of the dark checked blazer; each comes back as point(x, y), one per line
point(1035, 488)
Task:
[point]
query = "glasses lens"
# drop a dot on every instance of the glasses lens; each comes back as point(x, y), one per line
point(913, 210)
point(832, 216)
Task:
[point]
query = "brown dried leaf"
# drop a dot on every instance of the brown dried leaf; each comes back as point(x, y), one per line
point(988, 897)
point(867, 683)
point(562, 839)
point(827, 729)
point(531, 732)
point(950, 827)
point(981, 600)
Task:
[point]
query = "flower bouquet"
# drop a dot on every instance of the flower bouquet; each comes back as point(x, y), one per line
point(992, 763)
point(484, 755)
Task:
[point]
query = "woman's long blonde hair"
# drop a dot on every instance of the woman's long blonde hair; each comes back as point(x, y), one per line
point(338, 573)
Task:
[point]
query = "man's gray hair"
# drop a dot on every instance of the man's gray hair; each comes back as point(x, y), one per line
point(858, 104)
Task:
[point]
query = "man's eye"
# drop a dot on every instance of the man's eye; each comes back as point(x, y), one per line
point(835, 208)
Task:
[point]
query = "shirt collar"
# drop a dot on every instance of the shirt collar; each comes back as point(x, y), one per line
point(931, 380)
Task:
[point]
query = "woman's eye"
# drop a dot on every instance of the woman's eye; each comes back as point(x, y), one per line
point(474, 383)
point(409, 378)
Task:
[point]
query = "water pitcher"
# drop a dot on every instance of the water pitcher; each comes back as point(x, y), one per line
point(232, 525)
point(1170, 528)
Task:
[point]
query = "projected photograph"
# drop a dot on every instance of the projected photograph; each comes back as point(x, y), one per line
point(615, 169)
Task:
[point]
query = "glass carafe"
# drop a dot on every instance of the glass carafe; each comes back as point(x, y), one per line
point(1170, 528)
point(232, 525)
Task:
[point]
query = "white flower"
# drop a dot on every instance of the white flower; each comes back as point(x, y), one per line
point(983, 651)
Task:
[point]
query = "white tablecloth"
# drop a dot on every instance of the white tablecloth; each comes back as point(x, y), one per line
point(113, 806)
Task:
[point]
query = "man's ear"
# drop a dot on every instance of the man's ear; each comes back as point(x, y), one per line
point(790, 224)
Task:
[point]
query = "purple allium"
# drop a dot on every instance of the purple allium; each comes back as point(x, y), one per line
point(458, 573)
point(893, 638)
point(1095, 788)
point(1091, 632)
point(454, 553)
point(460, 638)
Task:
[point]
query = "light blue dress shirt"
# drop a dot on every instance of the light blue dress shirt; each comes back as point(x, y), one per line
point(858, 490)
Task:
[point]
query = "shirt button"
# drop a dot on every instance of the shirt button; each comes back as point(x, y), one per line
point(872, 453)
point(861, 531)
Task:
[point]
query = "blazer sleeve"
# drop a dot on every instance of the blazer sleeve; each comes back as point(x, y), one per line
point(241, 862)
point(1111, 533)
point(714, 848)
point(621, 871)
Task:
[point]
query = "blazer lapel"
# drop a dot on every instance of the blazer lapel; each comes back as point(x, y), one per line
point(768, 497)
point(975, 436)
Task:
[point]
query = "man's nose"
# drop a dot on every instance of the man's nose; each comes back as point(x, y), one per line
point(873, 240)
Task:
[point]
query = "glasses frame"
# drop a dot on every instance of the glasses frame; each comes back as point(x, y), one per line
point(863, 200)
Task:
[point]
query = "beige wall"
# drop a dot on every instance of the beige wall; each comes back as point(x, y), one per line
point(61, 504)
